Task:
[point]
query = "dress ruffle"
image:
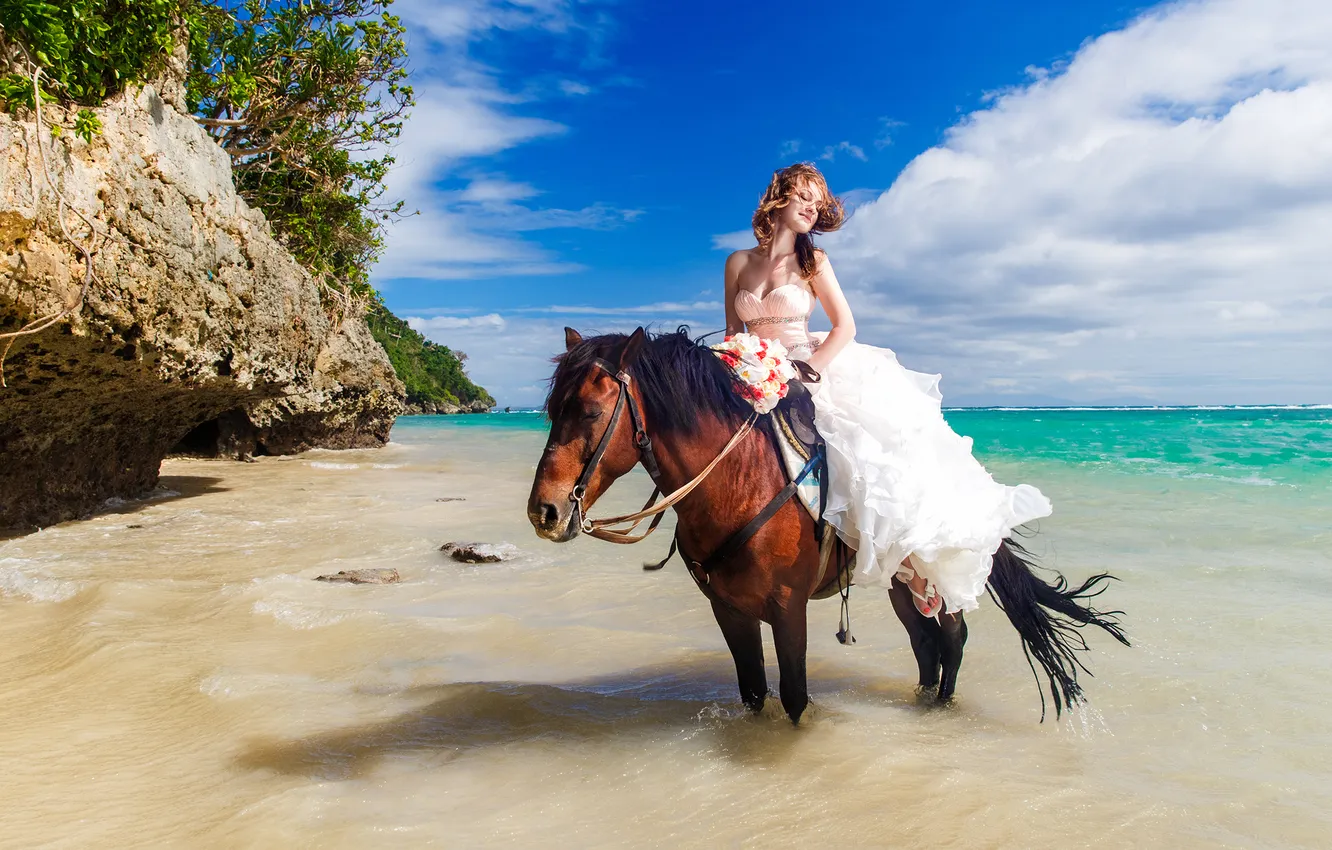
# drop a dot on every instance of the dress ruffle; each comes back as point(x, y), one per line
point(903, 483)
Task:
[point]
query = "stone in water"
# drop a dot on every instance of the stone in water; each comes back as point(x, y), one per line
point(479, 553)
point(370, 576)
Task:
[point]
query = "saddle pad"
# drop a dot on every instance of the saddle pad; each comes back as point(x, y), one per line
point(795, 458)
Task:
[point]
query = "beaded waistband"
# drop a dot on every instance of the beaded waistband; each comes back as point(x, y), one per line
point(776, 320)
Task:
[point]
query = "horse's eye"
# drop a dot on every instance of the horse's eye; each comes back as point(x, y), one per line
point(591, 415)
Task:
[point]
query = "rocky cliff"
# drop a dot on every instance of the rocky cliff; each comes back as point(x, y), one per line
point(197, 323)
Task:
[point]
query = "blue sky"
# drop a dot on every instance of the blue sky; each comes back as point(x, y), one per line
point(1081, 202)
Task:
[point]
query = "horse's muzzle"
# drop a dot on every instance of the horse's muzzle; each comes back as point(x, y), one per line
point(557, 523)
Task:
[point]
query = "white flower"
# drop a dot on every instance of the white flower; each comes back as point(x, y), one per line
point(760, 368)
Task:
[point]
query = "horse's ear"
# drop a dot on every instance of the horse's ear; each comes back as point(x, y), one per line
point(571, 338)
point(632, 347)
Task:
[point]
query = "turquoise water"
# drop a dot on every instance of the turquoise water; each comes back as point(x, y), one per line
point(1263, 446)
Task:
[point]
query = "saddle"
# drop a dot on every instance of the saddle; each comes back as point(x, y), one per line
point(798, 440)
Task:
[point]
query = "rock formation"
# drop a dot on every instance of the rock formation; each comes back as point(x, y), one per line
point(197, 321)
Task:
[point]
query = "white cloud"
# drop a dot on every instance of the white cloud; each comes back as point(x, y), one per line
point(789, 148)
point(491, 189)
point(1238, 311)
point(736, 240)
point(464, 113)
point(574, 88)
point(1152, 216)
point(831, 151)
point(445, 323)
point(460, 21)
point(887, 127)
point(661, 308)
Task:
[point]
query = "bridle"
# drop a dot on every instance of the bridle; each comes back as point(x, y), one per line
point(641, 440)
point(599, 528)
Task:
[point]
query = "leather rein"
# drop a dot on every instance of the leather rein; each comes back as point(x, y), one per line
point(601, 528)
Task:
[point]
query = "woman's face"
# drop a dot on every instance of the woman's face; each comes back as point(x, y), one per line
point(802, 211)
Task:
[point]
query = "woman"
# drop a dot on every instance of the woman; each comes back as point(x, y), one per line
point(904, 489)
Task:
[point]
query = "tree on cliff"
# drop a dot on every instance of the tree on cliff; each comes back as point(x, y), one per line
point(306, 98)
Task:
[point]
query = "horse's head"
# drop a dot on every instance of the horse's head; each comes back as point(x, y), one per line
point(595, 410)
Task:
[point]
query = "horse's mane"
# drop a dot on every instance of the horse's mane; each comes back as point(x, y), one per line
point(680, 379)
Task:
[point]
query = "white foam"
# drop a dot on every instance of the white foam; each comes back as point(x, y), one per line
point(323, 464)
point(15, 580)
point(298, 616)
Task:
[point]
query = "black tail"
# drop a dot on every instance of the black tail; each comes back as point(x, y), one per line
point(1051, 640)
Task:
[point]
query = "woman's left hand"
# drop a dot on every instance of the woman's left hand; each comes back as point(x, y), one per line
point(806, 373)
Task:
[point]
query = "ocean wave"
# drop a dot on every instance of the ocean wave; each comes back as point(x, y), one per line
point(1250, 480)
point(323, 464)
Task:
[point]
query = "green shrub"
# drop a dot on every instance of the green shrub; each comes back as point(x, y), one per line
point(88, 49)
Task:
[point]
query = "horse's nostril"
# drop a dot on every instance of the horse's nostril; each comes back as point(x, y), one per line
point(549, 515)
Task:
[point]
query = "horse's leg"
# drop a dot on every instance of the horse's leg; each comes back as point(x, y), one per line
point(952, 637)
point(924, 632)
point(789, 633)
point(746, 644)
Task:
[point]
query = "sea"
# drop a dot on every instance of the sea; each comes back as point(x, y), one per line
point(172, 676)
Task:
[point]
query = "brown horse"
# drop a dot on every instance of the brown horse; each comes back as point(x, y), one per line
point(683, 413)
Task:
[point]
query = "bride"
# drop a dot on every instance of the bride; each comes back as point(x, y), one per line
point(904, 489)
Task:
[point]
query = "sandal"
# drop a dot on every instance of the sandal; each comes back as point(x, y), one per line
point(930, 603)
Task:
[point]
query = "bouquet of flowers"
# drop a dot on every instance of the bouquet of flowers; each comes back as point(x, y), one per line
point(760, 368)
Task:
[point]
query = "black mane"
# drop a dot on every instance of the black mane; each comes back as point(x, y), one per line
point(681, 380)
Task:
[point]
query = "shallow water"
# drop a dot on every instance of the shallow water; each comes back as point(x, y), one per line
point(173, 677)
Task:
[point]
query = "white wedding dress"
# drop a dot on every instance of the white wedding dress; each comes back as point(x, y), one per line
point(902, 485)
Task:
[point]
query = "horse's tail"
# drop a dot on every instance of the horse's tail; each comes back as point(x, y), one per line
point(1048, 618)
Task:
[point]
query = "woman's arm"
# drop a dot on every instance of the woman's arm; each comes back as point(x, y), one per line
point(830, 295)
point(731, 278)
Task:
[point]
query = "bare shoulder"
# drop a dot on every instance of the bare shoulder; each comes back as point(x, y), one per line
point(822, 265)
point(735, 266)
point(739, 259)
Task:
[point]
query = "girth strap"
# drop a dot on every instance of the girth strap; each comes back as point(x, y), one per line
point(737, 541)
point(734, 543)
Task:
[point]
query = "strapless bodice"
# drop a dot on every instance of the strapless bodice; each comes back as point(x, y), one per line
point(782, 314)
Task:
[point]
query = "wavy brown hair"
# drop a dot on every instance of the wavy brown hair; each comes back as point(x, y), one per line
point(785, 182)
